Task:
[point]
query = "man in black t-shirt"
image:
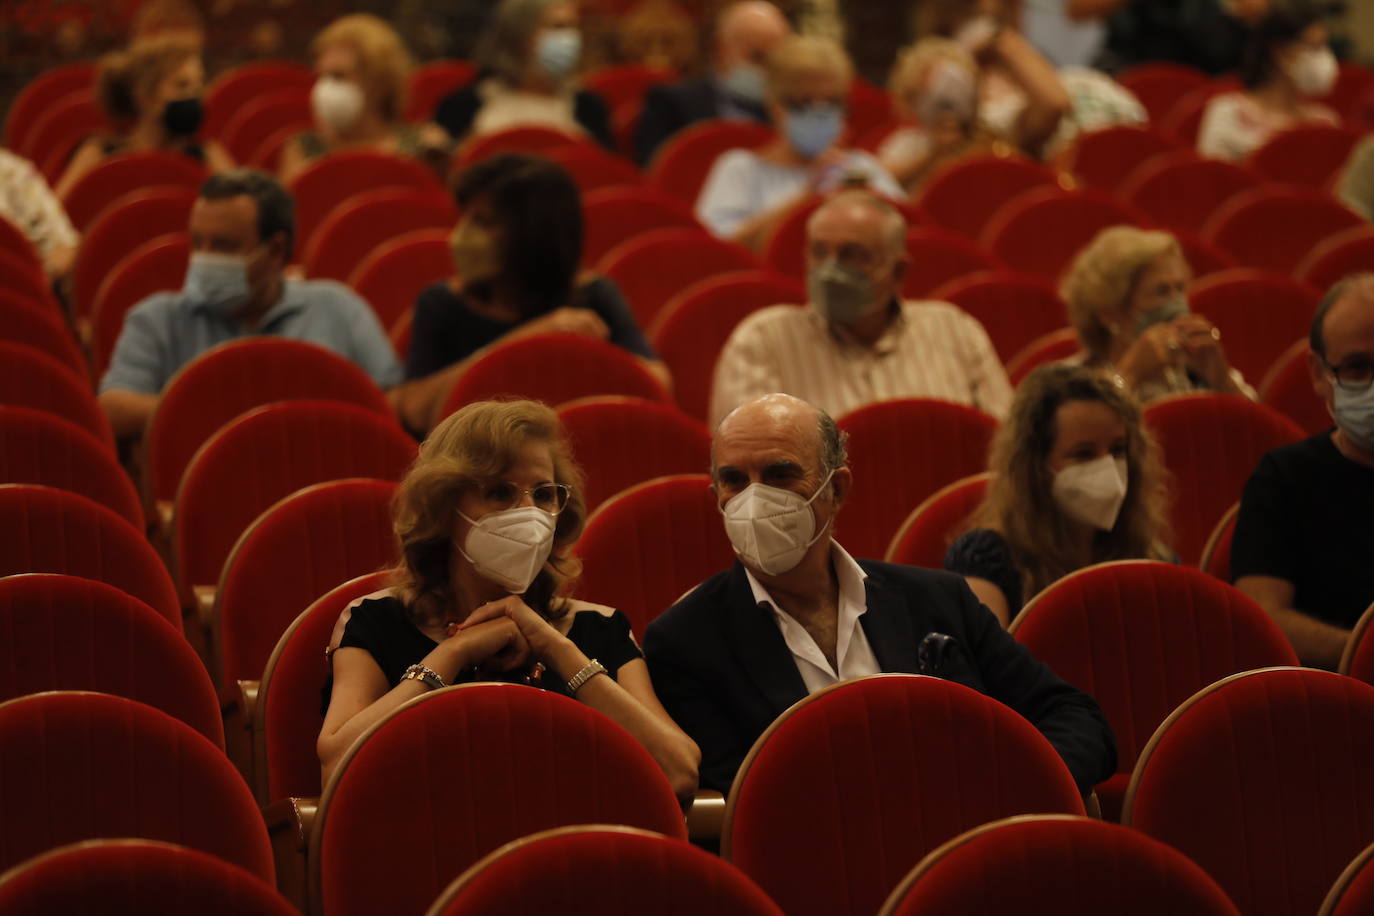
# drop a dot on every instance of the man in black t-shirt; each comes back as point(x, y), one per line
point(1304, 543)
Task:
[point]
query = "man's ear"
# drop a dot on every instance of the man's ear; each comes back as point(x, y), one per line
point(1321, 382)
point(840, 482)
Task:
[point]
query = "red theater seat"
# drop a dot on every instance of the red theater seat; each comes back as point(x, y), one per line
point(392, 277)
point(973, 760)
point(1308, 154)
point(613, 215)
point(1347, 252)
point(1353, 892)
point(32, 378)
point(681, 165)
point(651, 268)
point(37, 95)
point(963, 197)
point(268, 114)
point(365, 222)
point(330, 180)
point(1258, 313)
point(35, 323)
point(241, 85)
point(430, 82)
point(155, 266)
point(1015, 309)
point(939, 258)
point(1287, 388)
point(122, 228)
point(1017, 232)
point(1158, 85)
point(1102, 159)
point(118, 176)
point(625, 82)
point(932, 526)
point(531, 140)
point(42, 448)
point(1216, 554)
point(592, 168)
point(1274, 227)
point(516, 760)
point(1180, 191)
point(1115, 631)
point(1358, 659)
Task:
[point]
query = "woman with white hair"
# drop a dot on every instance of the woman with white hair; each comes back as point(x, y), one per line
point(748, 192)
point(1127, 297)
point(528, 59)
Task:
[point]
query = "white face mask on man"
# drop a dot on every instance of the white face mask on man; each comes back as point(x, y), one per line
point(509, 547)
point(771, 528)
point(1092, 492)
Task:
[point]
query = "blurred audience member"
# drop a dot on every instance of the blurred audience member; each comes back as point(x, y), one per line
point(934, 88)
point(1021, 95)
point(1286, 64)
point(858, 342)
point(1356, 184)
point(359, 95)
point(657, 34)
point(242, 228)
point(152, 94)
point(735, 87)
point(1303, 541)
point(516, 252)
point(1207, 34)
point(161, 17)
point(1071, 33)
point(748, 192)
point(1076, 480)
point(1127, 296)
point(28, 203)
point(528, 58)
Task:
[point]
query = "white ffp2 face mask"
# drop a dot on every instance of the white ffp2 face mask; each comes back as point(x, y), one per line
point(1314, 71)
point(337, 104)
point(771, 528)
point(509, 547)
point(1092, 492)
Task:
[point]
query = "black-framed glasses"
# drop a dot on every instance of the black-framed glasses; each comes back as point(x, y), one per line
point(1354, 375)
point(503, 494)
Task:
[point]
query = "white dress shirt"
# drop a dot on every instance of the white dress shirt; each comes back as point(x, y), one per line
point(852, 650)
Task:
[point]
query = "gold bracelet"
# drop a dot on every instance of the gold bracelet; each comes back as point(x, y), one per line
point(429, 676)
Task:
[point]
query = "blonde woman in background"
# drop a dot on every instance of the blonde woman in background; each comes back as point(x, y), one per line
point(359, 96)
point(152, 94)
point(1077, 479)
point(1127, 297)
point(487, 518)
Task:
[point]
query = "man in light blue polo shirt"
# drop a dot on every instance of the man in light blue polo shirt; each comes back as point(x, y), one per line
point(242, 228)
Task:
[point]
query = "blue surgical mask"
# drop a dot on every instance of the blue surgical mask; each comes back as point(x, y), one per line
point(1168, 311)
point(558, 52)
point(813, 130)
point(1354, 414)
point(217, 282)
point(745, 82)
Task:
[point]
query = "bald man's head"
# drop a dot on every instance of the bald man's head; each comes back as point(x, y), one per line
point(747, 32)
point(868, 214)
point(781, 420)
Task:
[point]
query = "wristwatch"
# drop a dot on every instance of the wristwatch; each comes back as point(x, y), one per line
point(592, 669)
point(424, 673)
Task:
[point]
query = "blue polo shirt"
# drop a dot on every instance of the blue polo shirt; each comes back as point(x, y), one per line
point(167, 330)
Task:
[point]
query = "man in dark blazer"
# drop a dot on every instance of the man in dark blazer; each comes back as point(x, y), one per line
point(797, 613)
point(734, 88)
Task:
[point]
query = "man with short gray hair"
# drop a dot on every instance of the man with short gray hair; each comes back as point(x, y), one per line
point(797, 613)
point(858, 342)
point(242, 232)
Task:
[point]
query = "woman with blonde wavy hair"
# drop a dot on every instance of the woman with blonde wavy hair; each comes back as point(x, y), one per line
point(486, 518)
point(1077, 479)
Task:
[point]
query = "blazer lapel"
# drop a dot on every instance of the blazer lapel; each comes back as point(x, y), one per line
point(890, 630)
point(758, 645)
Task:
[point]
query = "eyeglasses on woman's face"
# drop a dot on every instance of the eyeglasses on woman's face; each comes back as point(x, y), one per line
point(498, 495)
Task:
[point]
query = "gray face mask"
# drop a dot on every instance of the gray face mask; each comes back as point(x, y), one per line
point(839, 294)
point(1174, 308)
point(1354, 414)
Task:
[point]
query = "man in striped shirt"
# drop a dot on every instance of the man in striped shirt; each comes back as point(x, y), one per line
point(857, 342)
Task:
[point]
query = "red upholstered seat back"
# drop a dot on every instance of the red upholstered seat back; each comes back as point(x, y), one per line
point(1347, 252)
point(88, 765)
point(61, 128)
point(231, 378)
point(266, 116)
point(239, 86)
point(330, 180)
point(394, 274)
point(611, 216)
point(1017, 232)
point(901, 452)
point(67, 633)
point(937, 258)
point(530, 139)
point(1305, 154)
point(934, 524)
point(1158, 85)
point(1358, 659)
point(54, 531)
point(1140, 638)
point(296, 551)
point(42, 448)
point(107, 182)
point(553, 368)
point(37, 94)
point(1274, 227)
point(1202, 256)
point(1015, 309)
point(156, 265)
point(681, 165)
point(592, 168)
point(13, 241)
point(1071, 866)
point(1216, 554)
point(430, 82)
point(649, 544)
point(1263, 780)
point(364, 222)
point(649, 873)
point(1102, 159)
point(34, 322)
point(32, 378)
point(1287, 388)
point(623, 83)
point(651, 268)
point(123, 226)
point(267, 454)
point(695, 324)
point(852, 785)
point(1180, 191)
point(620, 442)
point(1258, 313)
point(1055, 345)
point(1211, 444)
point(474, 767)
point(1353, 892)
point(112, 877)
point(288, 710)
point(963, 197)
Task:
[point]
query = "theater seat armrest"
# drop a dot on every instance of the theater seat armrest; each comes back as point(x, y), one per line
point(205, 603)
point(289, 822)
point(706, 816)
